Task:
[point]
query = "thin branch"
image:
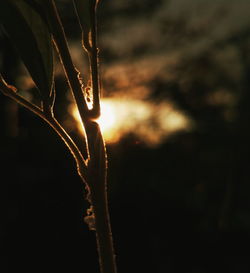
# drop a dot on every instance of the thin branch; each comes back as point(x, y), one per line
point(81, 163)
point(94, 62)
point(11, 92)
point(94, 69)
point(71, 72)
point(86, 14)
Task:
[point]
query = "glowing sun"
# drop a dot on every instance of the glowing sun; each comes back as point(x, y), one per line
point(150, 123)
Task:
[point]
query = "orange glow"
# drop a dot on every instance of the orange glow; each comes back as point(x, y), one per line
point(149, 122)
point(107, 120)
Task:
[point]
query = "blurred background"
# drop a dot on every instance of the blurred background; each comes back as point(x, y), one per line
point(175, 83)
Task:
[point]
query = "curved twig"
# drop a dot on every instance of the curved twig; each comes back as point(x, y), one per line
point(11, 92)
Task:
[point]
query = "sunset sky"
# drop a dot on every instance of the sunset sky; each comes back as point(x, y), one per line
point(175, 118)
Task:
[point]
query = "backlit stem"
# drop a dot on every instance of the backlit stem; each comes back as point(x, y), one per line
point(11, 92)
point(94, 69)
point(97, 178)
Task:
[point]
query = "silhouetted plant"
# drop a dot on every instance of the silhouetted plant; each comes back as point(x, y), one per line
point(33, 27)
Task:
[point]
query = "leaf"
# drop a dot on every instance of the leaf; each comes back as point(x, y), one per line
point(29, 33)
point(85, 10)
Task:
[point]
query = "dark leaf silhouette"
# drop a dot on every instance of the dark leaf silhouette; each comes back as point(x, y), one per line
point(29, 33)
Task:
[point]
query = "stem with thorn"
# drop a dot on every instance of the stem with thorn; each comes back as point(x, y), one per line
point(92, 171)
point(97, 165)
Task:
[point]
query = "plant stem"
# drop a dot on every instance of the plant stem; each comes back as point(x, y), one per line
point(97, 178)
point(11, 92)
point(81, 164)
point(97, 167)
point(103, 229)
point(93, 59)
point(71, 73)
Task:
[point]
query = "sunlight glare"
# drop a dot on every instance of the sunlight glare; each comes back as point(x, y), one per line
point(107, 119)
point(150, 123)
